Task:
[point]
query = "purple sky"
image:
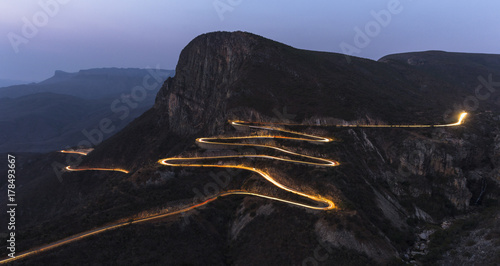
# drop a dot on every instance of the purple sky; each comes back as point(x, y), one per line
point(82, 34)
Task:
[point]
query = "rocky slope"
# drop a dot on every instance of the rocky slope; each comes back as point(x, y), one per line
point(396, 188)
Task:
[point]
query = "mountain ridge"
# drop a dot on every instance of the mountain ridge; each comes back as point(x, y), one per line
point(67, 106)
point(392, 186)
point(92, 83)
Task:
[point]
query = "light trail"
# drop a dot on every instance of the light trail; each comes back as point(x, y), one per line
point(460, 121)
point(90, 168)
point(102, 229)
point(328, 204)
point(302, 137)
point(121, 224)
point(74, 152)
point(308, 136)
point(96, 169)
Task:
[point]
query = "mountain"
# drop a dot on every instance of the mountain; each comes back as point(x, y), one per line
point(403, 195)
point(11, 82)
point(473, 76)
point(91, 83)
point(68, 108)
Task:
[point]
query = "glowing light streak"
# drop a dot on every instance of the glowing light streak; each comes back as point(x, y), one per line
point(249, 124)
point(96, 169)
point(74, 152)
point(216, 141)
point(90, 168)
point(328, 204)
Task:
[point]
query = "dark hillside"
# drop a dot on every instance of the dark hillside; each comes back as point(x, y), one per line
point(472, 75)
point(403, 195)
point(223, 76)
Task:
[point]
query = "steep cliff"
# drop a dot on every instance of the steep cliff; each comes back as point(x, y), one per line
point(239, 75)
point(395, 187)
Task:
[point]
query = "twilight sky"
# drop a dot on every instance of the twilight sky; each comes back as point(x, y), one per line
point(71, 35)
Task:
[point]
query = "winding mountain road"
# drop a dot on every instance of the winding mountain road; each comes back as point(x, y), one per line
point(324, 203)
point(327, 204)
point(96, 169)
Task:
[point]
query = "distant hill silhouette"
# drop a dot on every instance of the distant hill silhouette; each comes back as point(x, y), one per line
point(54, 113)
point(11, 82)
point(90, 84)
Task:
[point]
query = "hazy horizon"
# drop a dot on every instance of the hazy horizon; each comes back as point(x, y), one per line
point(71, 35)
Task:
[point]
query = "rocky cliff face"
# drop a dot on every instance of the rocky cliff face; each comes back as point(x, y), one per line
point(407, 177)
point(243, 76)
point(425, 175)
point(196, 96)
point(392, 186)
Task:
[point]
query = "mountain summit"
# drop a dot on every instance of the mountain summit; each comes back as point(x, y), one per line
point(225, 76)
point(402, 194)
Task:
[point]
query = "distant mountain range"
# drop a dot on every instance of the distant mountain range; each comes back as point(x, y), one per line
point(11, 82)
point(58, 112)
point(90, 84)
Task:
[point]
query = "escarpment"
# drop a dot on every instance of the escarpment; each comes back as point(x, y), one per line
point(392, 185)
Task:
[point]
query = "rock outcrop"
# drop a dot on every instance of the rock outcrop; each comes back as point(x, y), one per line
point(391, 183)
